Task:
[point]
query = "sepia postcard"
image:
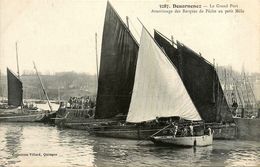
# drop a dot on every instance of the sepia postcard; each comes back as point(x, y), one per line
point(129, 83)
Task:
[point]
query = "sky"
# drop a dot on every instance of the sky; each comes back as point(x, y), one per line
point(59, 35)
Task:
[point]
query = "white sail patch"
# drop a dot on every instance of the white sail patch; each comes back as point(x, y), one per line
point(158, 89)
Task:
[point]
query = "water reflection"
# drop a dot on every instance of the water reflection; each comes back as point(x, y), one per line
point(63, 147)
point(238, 153)
point(12, 145)
point(80, 150)
point(40, 145)
point(114, 152)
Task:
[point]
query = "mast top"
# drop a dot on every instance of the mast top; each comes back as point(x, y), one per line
point(17, 60)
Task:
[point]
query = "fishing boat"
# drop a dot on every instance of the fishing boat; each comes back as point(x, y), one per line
point(163, 83)
point(200, 79)
point(74, 115)
point(115, 83)
point(14, 91)
point(15, 110)
point(118, 70)
point(188, 141)
point(203, 85)
point(116, 79)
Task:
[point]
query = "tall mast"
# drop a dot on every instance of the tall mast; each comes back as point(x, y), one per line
point(172, 40)
point(96, 55)
point(17, 63)
point(218, 85)
point(17, 60)
point(246, 89)
point(251, 91)
point(40, 95)
point(225, 80)
point(237, 91)
point(1, 93)
point(45, 93)
point(59, 94)
point(213, 86)
point(217, 82)
point(127, 22)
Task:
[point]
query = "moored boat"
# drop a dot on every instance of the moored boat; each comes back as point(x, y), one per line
point(118, 64)
point(126, 130)
point(188, 141)
point(23, 117)
point(77, 113)
point(15, 111)
point(119, 52)
point(172, 98)
point(115, 86)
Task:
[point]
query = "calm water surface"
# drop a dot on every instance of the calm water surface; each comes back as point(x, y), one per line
point(41, 145)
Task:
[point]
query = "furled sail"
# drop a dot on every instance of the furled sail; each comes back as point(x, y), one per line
point(15, 89)
point(158, 89)
point(200, 80)
point(117, 67)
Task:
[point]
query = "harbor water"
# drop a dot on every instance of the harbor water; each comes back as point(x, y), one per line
point(23, 144)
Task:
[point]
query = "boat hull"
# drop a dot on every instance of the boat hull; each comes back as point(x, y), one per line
point(188, 141)
point(134, 132)
point(73, 118)
point(22, 118)
point(144, 132)
point(16, 115)
point(78, 119)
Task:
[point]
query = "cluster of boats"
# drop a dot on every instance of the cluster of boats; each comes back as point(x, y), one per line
point(145, 89)
point(157, 89)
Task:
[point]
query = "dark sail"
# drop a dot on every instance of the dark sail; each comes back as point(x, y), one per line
point(117, 67)
point(200, 80)
point(15, 89)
